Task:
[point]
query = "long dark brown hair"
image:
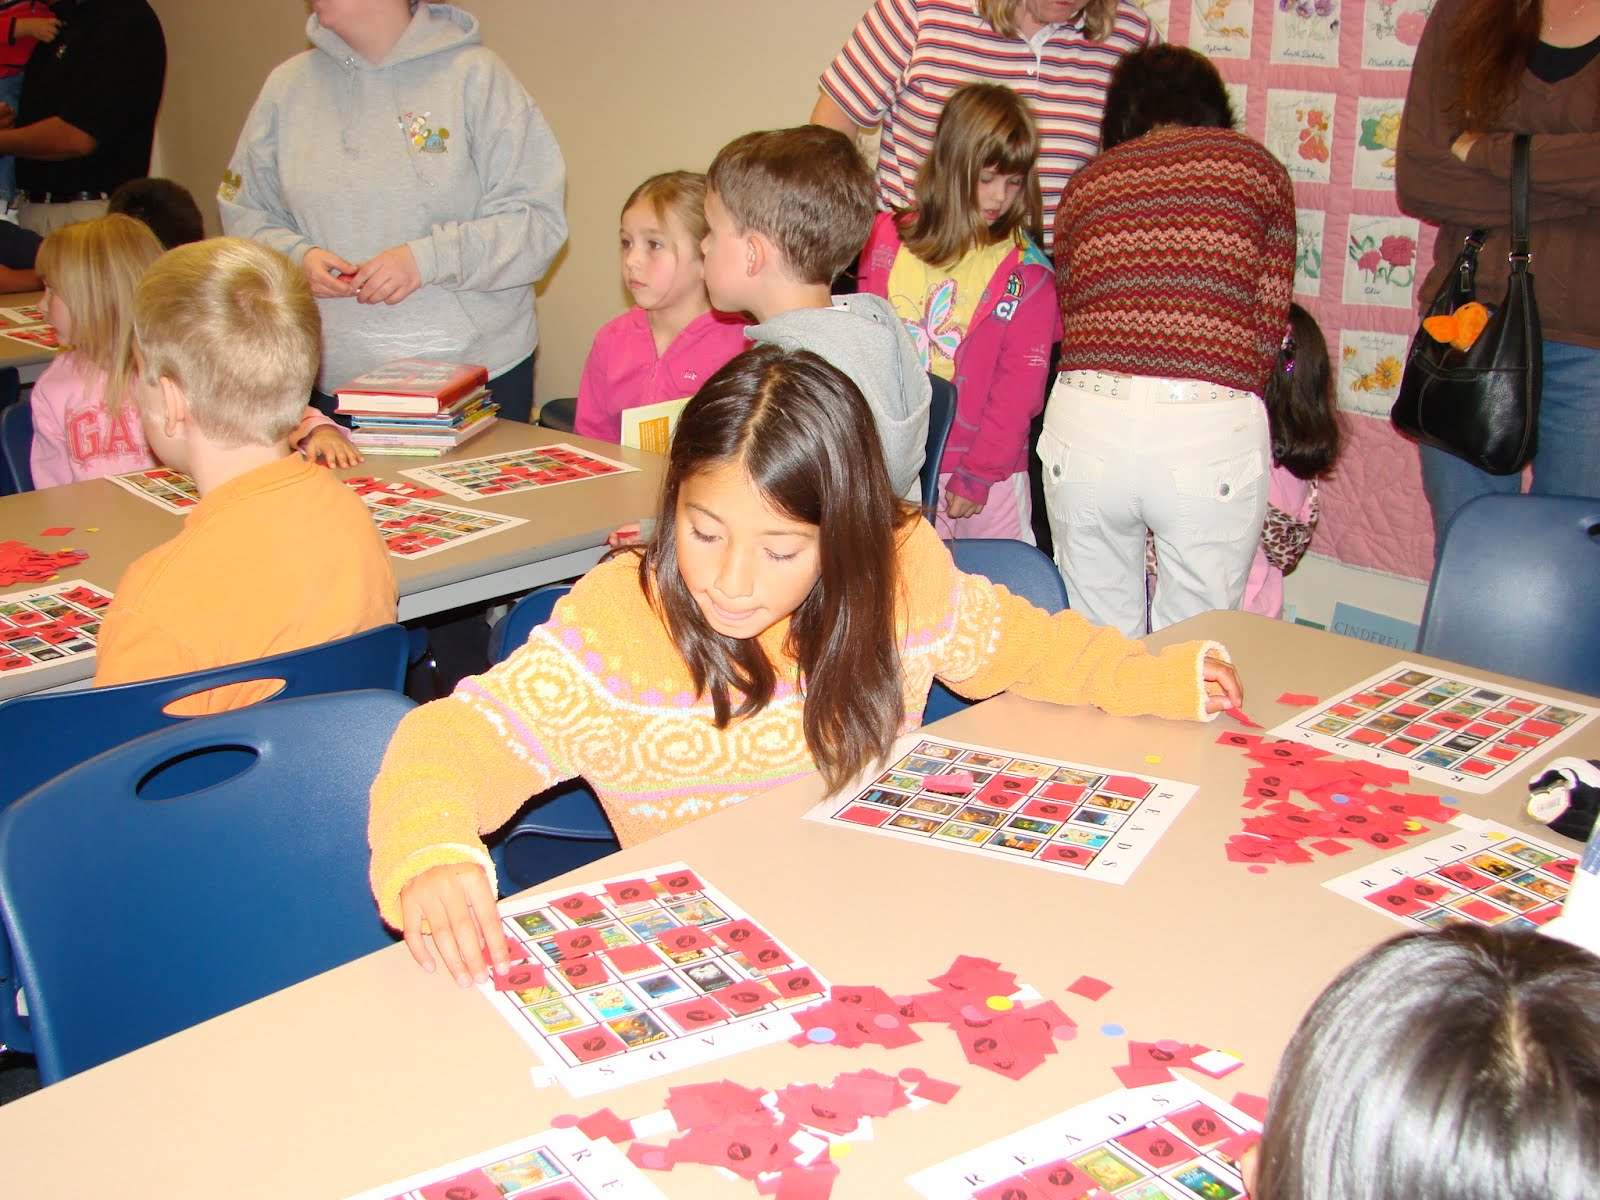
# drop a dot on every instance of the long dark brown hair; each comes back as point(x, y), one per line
point(983, 125)
point(1304, 428)
point(806, 439)
point(1491, 44)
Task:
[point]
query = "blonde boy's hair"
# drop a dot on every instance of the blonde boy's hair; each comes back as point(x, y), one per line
point(807, 190)
point(681, 193)
point(93, 267)
point(234, 325)
point(1099, 17)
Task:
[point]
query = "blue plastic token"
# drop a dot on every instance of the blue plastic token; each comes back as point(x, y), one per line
point(820, 1034)
point(1113, 1030)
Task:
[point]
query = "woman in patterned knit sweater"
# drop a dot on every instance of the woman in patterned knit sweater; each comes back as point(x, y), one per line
point(1174, 261)
point(788, 615)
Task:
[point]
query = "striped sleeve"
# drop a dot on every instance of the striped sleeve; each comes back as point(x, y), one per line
point(865, 77)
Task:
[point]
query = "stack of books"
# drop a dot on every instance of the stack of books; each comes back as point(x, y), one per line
point(417, 407)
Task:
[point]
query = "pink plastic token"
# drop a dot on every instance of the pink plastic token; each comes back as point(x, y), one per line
point(564, 1120)
point(913, 1074)
point(656, 1160)
point(885, 1021)
point(1170, 1045)
point(1257, 869)
point(973, 1013)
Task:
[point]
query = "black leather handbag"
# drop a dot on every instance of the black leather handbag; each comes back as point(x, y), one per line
point(1481, 404)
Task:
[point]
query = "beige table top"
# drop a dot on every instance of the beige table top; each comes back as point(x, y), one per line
point(564, 535)
point(25, 356)
point(375, 1070)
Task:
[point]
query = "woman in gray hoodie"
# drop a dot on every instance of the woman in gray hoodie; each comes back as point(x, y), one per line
point(406, 169)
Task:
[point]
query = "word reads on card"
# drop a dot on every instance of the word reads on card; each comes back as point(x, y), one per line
point(1049, 813)
point(44, 626)
point(516, 471)
point(636, 977)
point(558, 1164)
point(1444, 727)
point(1484, 874)
point(1169, 1141)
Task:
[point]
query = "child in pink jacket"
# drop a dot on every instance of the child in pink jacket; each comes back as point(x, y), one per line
point(671, 340)
point(978, 297)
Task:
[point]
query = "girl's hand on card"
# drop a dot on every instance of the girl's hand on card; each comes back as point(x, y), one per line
point(326, 444)
point(328, 274)
point(956, 507)
point(1223, 690)
point(455, 906)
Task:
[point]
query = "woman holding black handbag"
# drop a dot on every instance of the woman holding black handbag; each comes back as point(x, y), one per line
point(1487, 70)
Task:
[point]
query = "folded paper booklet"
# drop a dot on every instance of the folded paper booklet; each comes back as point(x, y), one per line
point(650, 426)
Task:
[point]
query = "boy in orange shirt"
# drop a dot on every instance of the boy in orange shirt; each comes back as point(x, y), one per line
point(279, 554)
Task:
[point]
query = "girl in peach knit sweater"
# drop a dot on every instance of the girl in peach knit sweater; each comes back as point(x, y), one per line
point(789, 614)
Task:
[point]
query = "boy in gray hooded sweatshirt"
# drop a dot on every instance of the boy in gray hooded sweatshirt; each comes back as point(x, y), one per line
point(401, 153)
point(788, 210)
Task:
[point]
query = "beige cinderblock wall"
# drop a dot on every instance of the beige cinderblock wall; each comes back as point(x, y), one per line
point(630, 87)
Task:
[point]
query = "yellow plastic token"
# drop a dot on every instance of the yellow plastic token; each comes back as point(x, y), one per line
point(91, 529)
point(1152, 758)
point(1000, 1003)
point(1496, 836)
point(838, 1149)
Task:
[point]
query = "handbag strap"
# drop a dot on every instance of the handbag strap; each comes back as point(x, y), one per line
point(1520, 149)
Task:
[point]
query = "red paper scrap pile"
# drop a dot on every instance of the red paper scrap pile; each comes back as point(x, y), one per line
point(780, 1141)
point(1348, 799)
point(972, 998)
point(22, 563)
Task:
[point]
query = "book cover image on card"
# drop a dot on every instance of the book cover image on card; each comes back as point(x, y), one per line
point(411, 385)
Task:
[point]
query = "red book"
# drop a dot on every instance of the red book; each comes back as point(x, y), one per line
point(410, 385)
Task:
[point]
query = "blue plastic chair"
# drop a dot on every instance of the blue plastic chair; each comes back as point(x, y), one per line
point(941, 416)
point(16, 445)
point(1517, 590)
point(133, 920)
point(1021, 569)
point(564, 828)
point(45, 734)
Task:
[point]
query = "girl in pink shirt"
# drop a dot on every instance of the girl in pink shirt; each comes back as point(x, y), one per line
point(671, 341)
point(85, 421)
point(1305, 445)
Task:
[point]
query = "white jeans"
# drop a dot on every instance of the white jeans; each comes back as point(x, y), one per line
point(1187, 460)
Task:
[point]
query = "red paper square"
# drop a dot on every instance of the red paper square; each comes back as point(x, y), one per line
point(1397, 899)
point(1369, 737)
point(584, 972)
point(766, 956)
point(630, 960)
point(1156, 1147)
point(1060, 1180)
point(1464, 876)
point(1015, 1188)
point(744, 998)
point(1482, 910)
point(1541, 729)
point(676, 883)
point(578, 943)
point(795, 983)
point(1476, 766)
point(1066, 853)
point(860, 814)
point(1201, 1124)
point(696, 1014)
point(686, 939)
point(736, 935)
point(56, 531)
point(520, 977)
point(592, 1043)
point(578, 906)
point(1330, 847)
point(629, 891)
point(1088, 987)
point(1066, 793)
point(1046, 810)
point(469, 1185)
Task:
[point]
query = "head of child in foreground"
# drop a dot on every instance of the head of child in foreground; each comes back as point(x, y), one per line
point(1300, 404)
point(1163, 85)
point(777, 505)
point(663, 224)
point(90, 270)
point(796, 201)
point(228, 339)
point(1462, 1064)
point(980, 183)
